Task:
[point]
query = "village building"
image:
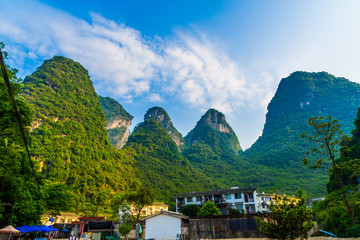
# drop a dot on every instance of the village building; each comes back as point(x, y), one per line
point(164, 225)
point(149, 209)
point(243, 199)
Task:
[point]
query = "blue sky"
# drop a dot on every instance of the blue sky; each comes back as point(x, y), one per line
point(188, 56)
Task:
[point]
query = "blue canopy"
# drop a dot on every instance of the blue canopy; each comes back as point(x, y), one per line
point(52, 229)
point(36, 228)
point(65, 230)
point(26, 228)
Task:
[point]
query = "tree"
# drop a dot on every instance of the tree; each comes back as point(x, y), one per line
point(328, 137)
point(288, 219)
point(125, 219)
point(140, 198)
point(209, 209)
point(190, 210)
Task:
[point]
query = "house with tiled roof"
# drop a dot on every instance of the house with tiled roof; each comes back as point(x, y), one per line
point(242, 199)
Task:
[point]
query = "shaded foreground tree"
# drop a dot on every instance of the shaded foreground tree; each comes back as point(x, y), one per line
point(287, 219)
point(209, 209)
point(327, 137)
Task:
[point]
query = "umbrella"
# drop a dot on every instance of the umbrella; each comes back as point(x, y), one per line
point(9, 229)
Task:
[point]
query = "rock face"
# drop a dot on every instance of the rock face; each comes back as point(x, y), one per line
point(217, 121)
point(213, 130)
point(118, 121)
point(163, 118)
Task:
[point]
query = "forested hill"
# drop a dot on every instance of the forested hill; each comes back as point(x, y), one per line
point(69, 138)
point(163, 118)
point(118, 121)
point(299, 97)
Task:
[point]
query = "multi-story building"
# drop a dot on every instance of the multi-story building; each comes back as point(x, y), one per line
point(243, 199)
point(149, 209)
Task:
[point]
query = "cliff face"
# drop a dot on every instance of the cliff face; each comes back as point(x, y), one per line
point(118, 121)
point(163, 118)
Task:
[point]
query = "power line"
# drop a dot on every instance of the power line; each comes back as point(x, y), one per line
point(18, 118)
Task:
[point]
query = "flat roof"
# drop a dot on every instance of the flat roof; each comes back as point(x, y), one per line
point(216, 192)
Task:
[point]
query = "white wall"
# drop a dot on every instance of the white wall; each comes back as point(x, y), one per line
point(162, 227)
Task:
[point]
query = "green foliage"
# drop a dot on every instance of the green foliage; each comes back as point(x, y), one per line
point(113, 110)
point(69, 138)
point(209, 209)
point(287, 219)
point(20, 201)
point(190, 210)
point(331, 213)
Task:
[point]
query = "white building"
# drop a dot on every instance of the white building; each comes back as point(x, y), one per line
point(243, 199)
point(163, 225)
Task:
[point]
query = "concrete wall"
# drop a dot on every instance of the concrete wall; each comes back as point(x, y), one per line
point(162, 227)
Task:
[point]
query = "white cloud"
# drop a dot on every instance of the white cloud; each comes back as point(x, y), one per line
point(156, 98)
point(123, 65)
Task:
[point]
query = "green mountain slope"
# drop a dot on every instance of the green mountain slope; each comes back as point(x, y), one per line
point(69, 137)
point(118, 121)
point(212, 147)
point(159, 165)
point(299, 97)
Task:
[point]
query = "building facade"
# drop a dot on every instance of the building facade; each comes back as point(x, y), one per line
point(149, 209)
point(242, 199)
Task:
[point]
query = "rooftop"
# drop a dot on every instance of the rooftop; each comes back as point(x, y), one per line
point(216, 192)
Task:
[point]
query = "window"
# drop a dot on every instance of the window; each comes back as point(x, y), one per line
point(251, 196)
point(189, 199)
point(228, 196)
point(239, 206)
point(237, 195)
point(198, 198)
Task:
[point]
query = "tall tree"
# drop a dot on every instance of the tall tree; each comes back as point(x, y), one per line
point(327, 137)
